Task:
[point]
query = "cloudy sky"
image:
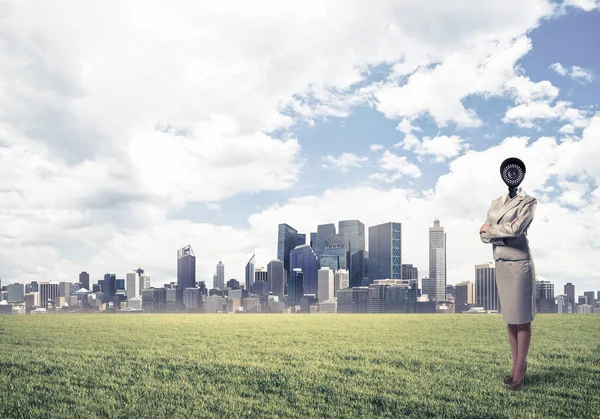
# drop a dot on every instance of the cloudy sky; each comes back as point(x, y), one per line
point(129, 129)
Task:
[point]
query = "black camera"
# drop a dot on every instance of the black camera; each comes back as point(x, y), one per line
point(512, 171)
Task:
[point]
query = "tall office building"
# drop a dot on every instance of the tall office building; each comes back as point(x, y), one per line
point(220, 275)
point(486, 291)
point(385, 251)
point(544, 290)
point(64, 289)
point(335, 252)
point(409, 271)
point(260, 274)
point(437, 259)
point(324, 232)
point(295, 287)
point(186, 271)
point(465, 294)
point(33, 286)
point(428, 287)
point(48, 293)
point(325, 287)
point(288, 239)
point(109, 287)
point(305, 258)
point(145, 282)
point(570, 293)
point(275, 277)
point(132, 288)
point(249, 279)
point(313, 240)
point(84, 280)
point(354, 230)
point(15, 293)
point(341, 280)
point(590, 297)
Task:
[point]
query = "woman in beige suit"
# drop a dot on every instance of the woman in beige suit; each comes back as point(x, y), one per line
point(506, 227)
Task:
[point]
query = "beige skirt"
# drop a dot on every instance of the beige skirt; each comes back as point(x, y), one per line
point(515, 280)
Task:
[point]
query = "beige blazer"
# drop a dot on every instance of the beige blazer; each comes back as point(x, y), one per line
point(509, 220)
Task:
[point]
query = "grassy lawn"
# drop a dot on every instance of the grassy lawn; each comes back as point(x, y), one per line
point(268, 365)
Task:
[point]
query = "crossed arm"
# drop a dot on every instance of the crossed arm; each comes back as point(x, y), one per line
point(495, 233)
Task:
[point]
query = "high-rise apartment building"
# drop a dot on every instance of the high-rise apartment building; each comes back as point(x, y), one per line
point(385, 251)
point(186, 271)
point(437, 259)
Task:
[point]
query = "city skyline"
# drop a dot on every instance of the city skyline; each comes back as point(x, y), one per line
point(357, 123)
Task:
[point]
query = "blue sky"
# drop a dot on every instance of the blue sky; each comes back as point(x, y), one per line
point(280, 104)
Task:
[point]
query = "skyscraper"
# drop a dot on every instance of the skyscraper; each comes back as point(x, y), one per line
point(288, 238)
point(295, 287)
point(48, 293)
point(409, 271)
point(486, 291)
point(313, 240)
point(275, 277)
point(591, 300)
point(570, 293)
point(544, 290)
point(133, 285)
point(220, 275)
point(186, 271)
point(341, 280)
point(335, 253)
point(249, 280)
point(324, 232)
point(437, 259)
point(84, 280)
point(109, 287)
point(304, 257)
point(325, 284)
point(465, 294)
point(355, 232)
point(385, 251)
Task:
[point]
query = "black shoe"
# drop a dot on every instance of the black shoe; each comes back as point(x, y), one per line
point(509, 378)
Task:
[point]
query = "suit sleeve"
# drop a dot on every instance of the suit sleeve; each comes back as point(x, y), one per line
point(486, 238)
point(516, 227)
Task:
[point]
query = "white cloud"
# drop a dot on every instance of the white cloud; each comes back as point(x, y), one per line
point(576, 73)
point(394, 167)
point(442, 147)
point(376, 147)
point(527, 114)
point(345, 161)
point(559, 69)
point(586, 5)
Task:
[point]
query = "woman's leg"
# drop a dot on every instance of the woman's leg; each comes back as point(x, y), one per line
point(524, 339)
point(514, 345)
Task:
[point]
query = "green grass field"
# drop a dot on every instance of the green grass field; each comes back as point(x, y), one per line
point(269, 365)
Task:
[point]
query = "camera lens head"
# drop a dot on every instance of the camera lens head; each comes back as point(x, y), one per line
point(512, 171)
